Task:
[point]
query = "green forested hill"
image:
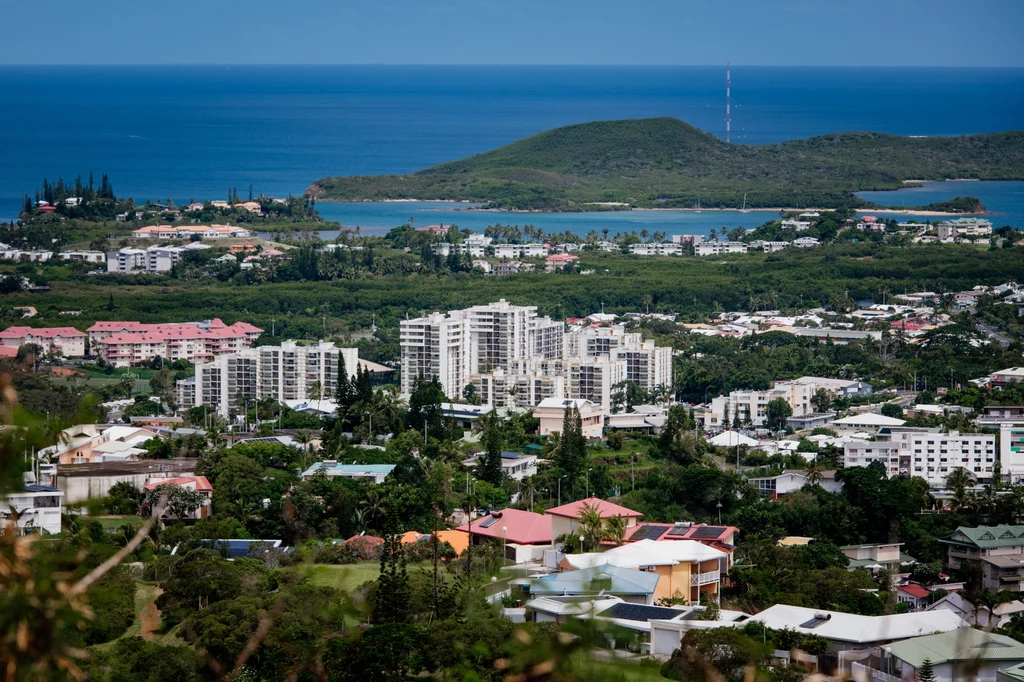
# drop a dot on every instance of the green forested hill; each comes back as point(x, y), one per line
point(664, 162)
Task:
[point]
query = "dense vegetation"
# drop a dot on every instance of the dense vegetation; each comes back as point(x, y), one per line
point(664, 162)
point(691, 287)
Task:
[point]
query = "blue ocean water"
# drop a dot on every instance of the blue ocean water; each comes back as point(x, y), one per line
point(193, 132)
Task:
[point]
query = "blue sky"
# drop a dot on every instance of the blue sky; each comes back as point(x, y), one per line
point(751, 32)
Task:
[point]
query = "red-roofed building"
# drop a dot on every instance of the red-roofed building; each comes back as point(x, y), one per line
point(720, 537)
point(558, 261)
point(565, 519)
point(513, 526)
point(200, 484)
point(8, 352)
point(68, 341)
point(123, 344)
point(913, 595)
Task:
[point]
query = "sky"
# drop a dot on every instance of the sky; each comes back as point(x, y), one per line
point(627, 32)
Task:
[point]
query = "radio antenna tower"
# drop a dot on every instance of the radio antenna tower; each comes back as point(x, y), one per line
point(728, 114)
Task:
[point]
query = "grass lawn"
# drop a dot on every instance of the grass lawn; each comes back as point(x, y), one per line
point(345, 577)
point(114, 522)
point(628, 671)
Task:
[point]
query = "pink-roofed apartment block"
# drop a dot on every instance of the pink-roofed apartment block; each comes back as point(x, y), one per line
point(67, 340)
point(123, 344)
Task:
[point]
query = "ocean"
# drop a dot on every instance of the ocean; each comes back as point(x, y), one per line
point(194, 132)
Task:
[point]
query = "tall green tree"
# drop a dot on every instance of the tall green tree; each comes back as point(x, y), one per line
point(393, 595)
point(777, 411)
point(927, 671)
point(489, 464)
point(571, 455)
point(345, 392)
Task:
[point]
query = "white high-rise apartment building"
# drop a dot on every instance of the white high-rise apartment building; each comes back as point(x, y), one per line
point(436, 346)
point(512, 356)
point(291, 371)
point(648, 365)
point(476, 340)
point(594, 379)
point(286, 372)
point(927, 453)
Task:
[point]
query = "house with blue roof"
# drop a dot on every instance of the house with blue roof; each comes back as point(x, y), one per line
point(630, 585)
point(332, 468)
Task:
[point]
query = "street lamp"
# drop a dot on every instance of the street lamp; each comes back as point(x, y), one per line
point(560, 491)
point(504, 532)
point(588, 481)
point(370, 415)
point(582, 540)
point(632, 464)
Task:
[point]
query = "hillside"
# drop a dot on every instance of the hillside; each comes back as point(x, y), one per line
point(664, 162)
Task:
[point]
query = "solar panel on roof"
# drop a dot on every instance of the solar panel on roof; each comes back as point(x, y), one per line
point(639, 612)
point(648, 533)
point(505, 454)
point(490, 522)
point(818, 619)
point(708, 532)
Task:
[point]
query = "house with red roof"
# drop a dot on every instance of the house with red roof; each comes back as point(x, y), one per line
point(721, 538)
point(68, 341)
point(200, 484)
point(913, 595)
point(524, 534)
point(566, 518)
point(559, 261)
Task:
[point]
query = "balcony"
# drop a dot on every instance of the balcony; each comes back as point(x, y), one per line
point(705, 578)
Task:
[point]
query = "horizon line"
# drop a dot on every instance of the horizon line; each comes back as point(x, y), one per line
point(501, 64)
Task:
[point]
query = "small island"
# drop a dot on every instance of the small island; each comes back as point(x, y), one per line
point(667, 163)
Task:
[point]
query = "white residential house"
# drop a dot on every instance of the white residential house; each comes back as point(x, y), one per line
point(38, 508)
point(792, 480)
point(867, 422)
point(806, 243)
point(551, 413)
point(514, 465)
point(798, 225)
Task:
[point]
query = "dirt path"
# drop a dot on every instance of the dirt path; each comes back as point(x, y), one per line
point(149, 617)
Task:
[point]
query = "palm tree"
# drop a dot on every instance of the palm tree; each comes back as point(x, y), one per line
point(591, 527)
point(815, 473)
point(304, 437)
point(957, 482)
point(615, 530)
point(316, 390)
point(373, 505)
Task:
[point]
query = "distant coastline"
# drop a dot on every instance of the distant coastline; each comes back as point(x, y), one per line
point(620, 207)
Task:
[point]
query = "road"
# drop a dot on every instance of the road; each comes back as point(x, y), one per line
point(994, 334)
